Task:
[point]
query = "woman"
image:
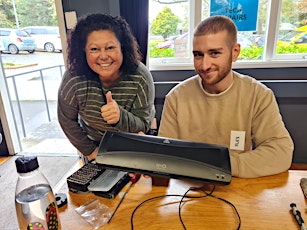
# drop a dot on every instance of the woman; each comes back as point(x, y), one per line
point(106, 87)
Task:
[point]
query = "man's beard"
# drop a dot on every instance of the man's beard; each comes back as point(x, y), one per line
point(222, 73)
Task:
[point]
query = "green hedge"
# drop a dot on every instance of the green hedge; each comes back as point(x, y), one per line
point(251, 53)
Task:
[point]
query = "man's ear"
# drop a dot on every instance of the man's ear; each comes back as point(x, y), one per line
point(236, 52)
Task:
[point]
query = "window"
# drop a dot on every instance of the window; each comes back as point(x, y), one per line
point(280, 38)
point(292, 33)
point(169, 38)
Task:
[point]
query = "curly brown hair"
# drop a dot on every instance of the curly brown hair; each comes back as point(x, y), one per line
point(77, 38)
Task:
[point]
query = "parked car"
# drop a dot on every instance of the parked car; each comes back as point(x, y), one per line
point(259, 40)
point(46, 37)
point(15, 40)
point(169, 42)
point(1, 45)
point(296, 37)
point(183, 36)
point(244, 41)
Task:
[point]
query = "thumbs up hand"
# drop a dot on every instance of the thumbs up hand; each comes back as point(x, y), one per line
point(110, 112)
point(109, 97)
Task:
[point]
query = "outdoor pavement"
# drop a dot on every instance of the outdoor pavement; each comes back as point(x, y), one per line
point(29, 86)
point(42, 137)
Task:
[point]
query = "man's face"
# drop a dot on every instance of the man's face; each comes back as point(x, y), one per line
point(213, 57)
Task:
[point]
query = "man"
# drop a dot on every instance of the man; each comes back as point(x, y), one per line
point(220, 106)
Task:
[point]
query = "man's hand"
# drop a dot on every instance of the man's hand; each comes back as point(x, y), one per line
point(110, 112)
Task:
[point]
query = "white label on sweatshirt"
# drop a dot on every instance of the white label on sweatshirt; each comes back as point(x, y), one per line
point(237, 140)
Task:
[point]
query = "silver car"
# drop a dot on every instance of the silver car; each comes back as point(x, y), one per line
point(15, 40)
point(46, 37)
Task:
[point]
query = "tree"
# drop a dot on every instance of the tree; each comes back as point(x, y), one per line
point(165, 23)
point(7, 18)
point(185, 22)
point(262, 13)
point(302, 8)
point(36, 13)
point(289, 11)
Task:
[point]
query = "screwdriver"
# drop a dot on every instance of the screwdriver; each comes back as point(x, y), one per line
point(133, 180)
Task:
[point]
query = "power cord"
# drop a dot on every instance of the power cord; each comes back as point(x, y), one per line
point(181, 202)
point(185, 196)
point(206, 194)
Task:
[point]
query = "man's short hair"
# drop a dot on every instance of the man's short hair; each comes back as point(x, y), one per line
point(216, 24)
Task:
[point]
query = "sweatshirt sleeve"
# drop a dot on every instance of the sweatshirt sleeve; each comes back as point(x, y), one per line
point(67, 110)
point(273, 147)
point(140, 116)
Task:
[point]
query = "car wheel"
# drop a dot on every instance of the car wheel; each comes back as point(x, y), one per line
point(49, 47)
point(13, 49)
point(31, 51)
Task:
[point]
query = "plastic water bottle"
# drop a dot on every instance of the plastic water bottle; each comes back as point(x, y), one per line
point(36, 207)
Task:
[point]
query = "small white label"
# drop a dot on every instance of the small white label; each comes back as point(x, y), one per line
point(237, 140)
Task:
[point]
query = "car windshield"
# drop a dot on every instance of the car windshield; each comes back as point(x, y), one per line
point(289, 36)
point(172, 38)
point(183, 36)
point(4, 33)
point(22, 33)
point(52, 31)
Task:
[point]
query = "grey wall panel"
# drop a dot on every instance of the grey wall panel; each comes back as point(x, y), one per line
point(92, 6)
point(291, 73)
point(295, 118)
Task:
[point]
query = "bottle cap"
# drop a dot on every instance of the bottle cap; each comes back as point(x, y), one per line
point(26, 164)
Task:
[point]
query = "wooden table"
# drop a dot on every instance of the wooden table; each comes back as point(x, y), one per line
point(262, 203)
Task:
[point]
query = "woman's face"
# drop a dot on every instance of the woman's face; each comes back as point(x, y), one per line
point(104, 55)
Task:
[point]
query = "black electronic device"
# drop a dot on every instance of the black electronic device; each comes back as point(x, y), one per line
point(81, 179)
point(95, 178)
point(168, 157)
